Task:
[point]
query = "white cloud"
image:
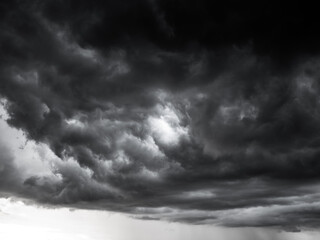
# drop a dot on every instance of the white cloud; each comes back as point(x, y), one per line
point(165, 126)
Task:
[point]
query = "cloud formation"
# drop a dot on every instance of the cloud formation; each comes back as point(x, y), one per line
point(147, 114)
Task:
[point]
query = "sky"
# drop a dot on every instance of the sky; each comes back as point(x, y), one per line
point(187, 118)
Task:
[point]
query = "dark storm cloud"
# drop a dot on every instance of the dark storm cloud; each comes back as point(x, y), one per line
point(182, 111)
point(281, 30)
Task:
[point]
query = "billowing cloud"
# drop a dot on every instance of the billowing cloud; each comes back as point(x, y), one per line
point(130, 109)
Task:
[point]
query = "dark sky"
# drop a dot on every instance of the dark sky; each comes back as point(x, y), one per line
point(185, 111)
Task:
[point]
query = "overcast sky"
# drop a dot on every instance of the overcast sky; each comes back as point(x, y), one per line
point(192, 114)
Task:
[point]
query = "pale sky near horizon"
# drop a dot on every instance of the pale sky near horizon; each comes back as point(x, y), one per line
point(29, 222)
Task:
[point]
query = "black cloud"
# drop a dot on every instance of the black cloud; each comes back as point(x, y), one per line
point(176, 110)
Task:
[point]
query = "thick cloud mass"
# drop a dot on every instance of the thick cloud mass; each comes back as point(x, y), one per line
point(174, 110)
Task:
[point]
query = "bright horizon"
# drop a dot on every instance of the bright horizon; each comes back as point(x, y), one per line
point(19, 221)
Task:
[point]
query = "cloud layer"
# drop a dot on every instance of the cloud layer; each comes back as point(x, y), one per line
point(147, 114)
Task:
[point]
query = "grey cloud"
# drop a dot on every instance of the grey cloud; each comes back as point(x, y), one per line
point(192, 136)
point(9, 172)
